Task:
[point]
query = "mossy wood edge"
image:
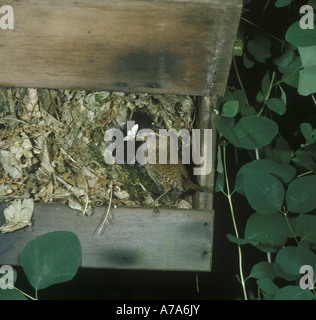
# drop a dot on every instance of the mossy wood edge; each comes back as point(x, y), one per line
point(177, 239)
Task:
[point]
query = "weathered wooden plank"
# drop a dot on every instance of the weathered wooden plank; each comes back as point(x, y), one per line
point(206, 119)
point(175, 240)
point(179, 46)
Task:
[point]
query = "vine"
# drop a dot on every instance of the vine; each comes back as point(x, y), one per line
point(280, 184)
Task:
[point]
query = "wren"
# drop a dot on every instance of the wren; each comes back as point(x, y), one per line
point(169, 176)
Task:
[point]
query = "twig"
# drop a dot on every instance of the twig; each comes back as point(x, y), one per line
point(239, 80)
point(262, 30)
point(107, 214)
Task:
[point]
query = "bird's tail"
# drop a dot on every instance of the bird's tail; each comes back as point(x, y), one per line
point(190, 185)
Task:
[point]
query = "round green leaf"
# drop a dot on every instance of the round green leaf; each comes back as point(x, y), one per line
point(259, 96)
point(11, 294)
point(241, 97)
point(276, 105)
point(51, 258)
point(263, 270)
point(267, 286)
point(284, 275)
point(282, 3)
point(306, 227)
point(300, 195)
point(260, 47)
point(271, 231)
point(290, 259)
point(230, 109)
point(293, 293)
point(279, 151)
point(307, 76)
point(264, 192)
point(306, 129)
point(283, 171)
point(248, 63)
point(241, 241)
point(300, 37)
point(225, 126)
point(255, 132)
point(285, 58)
point(265, 85)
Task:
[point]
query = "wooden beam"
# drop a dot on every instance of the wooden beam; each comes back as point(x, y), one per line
point(179, 46)
point(175, 240)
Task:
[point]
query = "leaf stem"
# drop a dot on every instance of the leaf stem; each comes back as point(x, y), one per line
point(262, 30)
point(239, 80)
point(268, 94)
point(304, 174)
point(229, 197)
point(285, 213)
point(15, 288)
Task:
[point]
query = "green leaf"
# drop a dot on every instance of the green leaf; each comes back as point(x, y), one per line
point(312, 137)
point(264, 192)
point(254, 132)
point(267, 286)
point(300, 37)
point(11, 294)
point(271, 231)
point(248, 63)
point(250, 132)
point(291, 72)
point(225, 127)
point(259, 47)
point(306, 129)
point(283, 95)
point(276, 105)
point(260, 97)
point(285, 58)
point(293, 293)
point(265, 85)
point(290, 259)
point(282, 274)
point(263, 270)
point(283, 171)
point(300, 195)
point(306, 160)
point(51, 258)
point(306, 227)
point(219, 186)
point(230, 109)
point(307, 76)
point(220, 167)
point(240, 96)
point(241, 241)
point(282, 3)
point(278, 150)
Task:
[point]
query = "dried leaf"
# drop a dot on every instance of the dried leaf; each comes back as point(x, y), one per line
point(18, 215)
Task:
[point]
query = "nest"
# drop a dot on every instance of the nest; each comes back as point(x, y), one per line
point(52, 144)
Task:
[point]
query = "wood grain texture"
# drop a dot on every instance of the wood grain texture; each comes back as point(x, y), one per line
point(179, 46)
point(206, 119)
point(175, 240)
